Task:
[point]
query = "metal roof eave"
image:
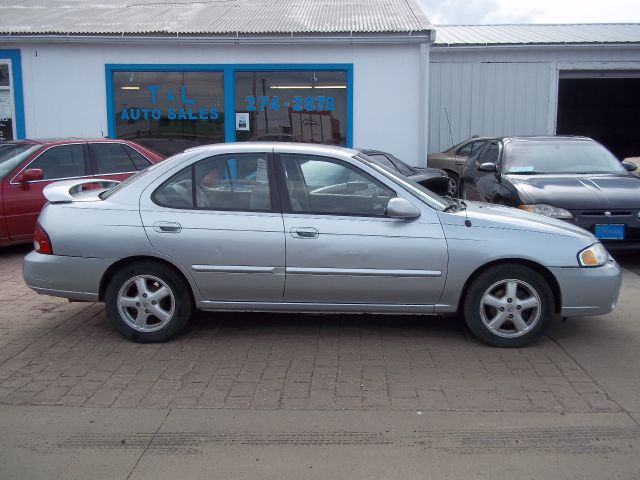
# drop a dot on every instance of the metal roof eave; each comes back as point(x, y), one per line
point(440, 47)
point(425, 36)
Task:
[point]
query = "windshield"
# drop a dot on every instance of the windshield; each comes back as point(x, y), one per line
point(422, 193)
point(572, 156)
point(13, 154)
point(401, 166)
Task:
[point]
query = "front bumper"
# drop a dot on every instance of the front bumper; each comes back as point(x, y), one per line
point(75, 278)
point(588, 291)
point(629, 219)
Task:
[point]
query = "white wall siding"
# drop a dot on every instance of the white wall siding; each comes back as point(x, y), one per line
point(65, 91)
point(506, 90)
point(487, 99)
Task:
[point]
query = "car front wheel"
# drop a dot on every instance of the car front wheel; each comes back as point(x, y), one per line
point(508, 306)
point(148, 302)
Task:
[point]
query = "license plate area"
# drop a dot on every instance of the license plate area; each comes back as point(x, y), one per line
point(609, 231)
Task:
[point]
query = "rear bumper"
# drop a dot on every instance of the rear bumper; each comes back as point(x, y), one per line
point(588, 291)
point(76, 278)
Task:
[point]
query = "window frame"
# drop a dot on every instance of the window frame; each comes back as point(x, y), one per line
point(284, 191)
point(87, 164)
point(274, 195)
point(229, 71)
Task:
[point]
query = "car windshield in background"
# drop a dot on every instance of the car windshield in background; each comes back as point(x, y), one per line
point(402, 167)
point(12, 155)
point(578, 156)
point(427, 196)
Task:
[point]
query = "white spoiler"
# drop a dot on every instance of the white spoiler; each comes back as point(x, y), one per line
point(71, 190)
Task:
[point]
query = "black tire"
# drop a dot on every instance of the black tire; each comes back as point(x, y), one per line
point(179, 302)
point(529, 283)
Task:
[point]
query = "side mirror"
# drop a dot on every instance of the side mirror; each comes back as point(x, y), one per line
point(402, 208)
point(629, 166)
point(488, 167)
point(30, 175)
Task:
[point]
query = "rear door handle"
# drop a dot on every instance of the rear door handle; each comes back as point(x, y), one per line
point(304, 232)
point(167, 227)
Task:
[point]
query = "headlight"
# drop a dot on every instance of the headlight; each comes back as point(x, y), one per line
point(548, 210)
point(593, 256)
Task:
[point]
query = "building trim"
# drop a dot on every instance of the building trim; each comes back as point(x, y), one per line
point(15, 72)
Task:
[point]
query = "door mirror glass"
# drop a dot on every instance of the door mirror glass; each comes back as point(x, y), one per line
point(629, 166)
point(488, 167)
point(402, 208)
point(30, 175)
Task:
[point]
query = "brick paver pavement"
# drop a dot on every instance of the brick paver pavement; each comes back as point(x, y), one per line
point(53, 352)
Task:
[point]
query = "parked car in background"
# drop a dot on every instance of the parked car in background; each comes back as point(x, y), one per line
point(262, 227)
point(434, 179)
point(452, 160)
point(28, 166)
point(572, 178)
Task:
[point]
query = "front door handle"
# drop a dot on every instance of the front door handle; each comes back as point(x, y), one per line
point(167, 227)
point(304, 232)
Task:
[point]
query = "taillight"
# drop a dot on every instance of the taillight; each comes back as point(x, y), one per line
point(41, 242)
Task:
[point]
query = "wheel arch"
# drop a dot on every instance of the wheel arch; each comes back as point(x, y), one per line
point(538, 268)
point(115, 267)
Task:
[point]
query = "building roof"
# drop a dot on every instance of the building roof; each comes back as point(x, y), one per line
point(210, 17)
point(534, 34)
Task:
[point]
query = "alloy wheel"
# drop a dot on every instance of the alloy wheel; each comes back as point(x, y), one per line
point(146, 303)
point(510, 308)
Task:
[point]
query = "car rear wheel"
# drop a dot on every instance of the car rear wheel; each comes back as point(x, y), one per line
point(508, 306)
point(148, 302)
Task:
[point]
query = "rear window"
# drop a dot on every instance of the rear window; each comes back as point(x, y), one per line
point(111, 158)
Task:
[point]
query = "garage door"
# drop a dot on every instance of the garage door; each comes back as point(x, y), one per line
point(603, 106)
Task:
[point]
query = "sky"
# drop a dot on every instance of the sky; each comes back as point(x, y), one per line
point(454, 12)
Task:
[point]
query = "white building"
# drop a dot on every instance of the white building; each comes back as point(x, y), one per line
point(176, 74)
point(363, 74)
point(499, 80)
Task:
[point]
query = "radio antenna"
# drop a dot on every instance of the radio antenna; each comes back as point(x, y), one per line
point(449, 123)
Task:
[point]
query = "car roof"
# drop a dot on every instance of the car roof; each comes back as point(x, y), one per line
point(546, 138)
point(60, 140)
point(312, 147)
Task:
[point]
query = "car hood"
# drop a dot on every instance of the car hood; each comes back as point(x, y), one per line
point(577, 192)
point(484, 214)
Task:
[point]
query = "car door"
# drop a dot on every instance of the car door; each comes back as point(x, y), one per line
point(461, 156)
point(342, 249)
point(220, 218)
point(24, 200)
point(483, 185)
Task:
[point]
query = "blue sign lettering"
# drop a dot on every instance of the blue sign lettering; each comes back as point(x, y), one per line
point(133, 114)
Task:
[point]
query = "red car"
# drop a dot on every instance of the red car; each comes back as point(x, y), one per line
point(27, 166)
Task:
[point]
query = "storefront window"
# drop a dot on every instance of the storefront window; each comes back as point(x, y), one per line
point(169, 111)
point(291, 106)
point(6, 105)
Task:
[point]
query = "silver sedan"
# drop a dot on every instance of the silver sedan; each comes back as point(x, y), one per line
point(303, 228)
